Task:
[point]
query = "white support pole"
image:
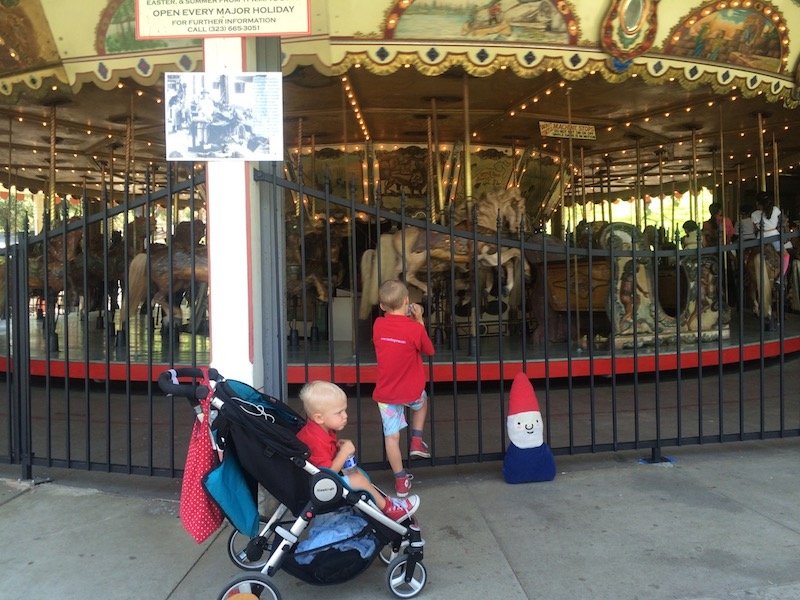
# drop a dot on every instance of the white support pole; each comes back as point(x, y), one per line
point(233, 243)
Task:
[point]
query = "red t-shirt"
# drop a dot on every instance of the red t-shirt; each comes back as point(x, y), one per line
point(322, 444)
point(400, 342)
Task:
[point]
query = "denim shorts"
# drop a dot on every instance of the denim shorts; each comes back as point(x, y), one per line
point(394, 415)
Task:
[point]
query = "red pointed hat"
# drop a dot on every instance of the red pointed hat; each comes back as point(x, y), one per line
point(522, 397)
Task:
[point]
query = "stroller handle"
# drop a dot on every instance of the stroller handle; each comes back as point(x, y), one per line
point(169, 383)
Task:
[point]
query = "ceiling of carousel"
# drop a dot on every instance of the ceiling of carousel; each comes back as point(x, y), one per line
point(504, 110)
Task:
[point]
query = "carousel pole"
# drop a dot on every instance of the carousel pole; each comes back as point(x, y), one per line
point(10, 183)
point(431, 167)
point(694, 191)
point(571, 170)
point(724, 202)
point(660, 154)
point(610, 194)
point(738, 189)
point(638, 187)
point(761, 159)
point(583, 184)
point(473, 339)
point(313, 170)
point(437, 157)
point(50, 310)
point(299, 168)
point(722, 194)
point(775, 178)
point(467, 149)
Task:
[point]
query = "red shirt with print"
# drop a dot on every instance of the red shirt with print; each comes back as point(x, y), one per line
point(322, 444)
point(400, 342)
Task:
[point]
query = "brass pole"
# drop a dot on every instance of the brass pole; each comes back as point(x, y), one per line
point(722, 195)
point(467, 149)
point(661, 188)
point(571, 168)
point(431, 167)
point(762, 160)
point(437, 158)
point(638, 187)
point(694, 193)
point(775, 176)
point(52, 186)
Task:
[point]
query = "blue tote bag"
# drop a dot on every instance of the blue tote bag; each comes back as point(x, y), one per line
point(226, 484)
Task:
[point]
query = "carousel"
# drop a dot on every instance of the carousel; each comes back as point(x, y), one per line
point(552, 179)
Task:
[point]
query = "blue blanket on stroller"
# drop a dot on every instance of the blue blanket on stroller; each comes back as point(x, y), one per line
point(340, 530)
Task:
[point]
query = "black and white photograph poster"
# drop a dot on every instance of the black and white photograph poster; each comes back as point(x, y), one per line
point(224, 116)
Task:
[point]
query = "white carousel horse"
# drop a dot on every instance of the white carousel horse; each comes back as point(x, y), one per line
point(408, 250)
point(762, 265)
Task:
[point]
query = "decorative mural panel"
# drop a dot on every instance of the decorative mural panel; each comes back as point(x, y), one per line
point(404, 172)
point(629, 28)
point(755, 37)
point(339, 169)
point(25, 41)
point(117, 28)
point(540, 21)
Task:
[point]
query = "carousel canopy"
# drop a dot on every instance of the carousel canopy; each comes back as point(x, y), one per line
point(660, 93)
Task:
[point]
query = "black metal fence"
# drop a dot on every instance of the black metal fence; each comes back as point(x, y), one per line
point(631, 344)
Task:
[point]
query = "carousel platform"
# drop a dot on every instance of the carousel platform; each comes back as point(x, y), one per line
point(85, 351)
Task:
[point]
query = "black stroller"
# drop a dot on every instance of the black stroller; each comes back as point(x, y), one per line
point(260, 431)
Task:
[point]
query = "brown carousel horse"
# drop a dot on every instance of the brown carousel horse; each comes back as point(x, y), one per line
point(317, 258)
point(762, 267)
point(61, 250)
point(408, 250)
point(104, 260)
point(167, 275)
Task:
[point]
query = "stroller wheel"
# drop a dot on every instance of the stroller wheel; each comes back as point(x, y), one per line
point(396, 574)
point(250, 554)
point(250, 586)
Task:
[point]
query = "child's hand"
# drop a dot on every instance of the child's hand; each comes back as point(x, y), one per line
point(346, 447)
point(415, 312)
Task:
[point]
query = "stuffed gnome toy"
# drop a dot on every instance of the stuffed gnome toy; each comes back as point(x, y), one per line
point(527, 457)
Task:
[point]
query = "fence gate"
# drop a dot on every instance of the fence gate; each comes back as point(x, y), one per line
point(630, 344)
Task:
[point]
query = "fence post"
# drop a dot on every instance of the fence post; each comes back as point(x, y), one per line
point(20, 358)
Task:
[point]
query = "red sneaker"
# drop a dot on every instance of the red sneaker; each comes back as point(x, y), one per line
point(419, 449)
point(402, 485)
point(399, 509)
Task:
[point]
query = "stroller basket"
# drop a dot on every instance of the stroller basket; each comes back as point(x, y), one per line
point(350, 545)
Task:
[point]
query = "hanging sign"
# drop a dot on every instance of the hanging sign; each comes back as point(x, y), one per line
point(567, 130)
point(157, 19)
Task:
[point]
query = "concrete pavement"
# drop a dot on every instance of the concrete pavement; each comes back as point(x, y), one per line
point(720, 522)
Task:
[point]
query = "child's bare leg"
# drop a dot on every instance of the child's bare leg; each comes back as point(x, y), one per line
point(392, 444)
point(418, 417)
point(360, 481)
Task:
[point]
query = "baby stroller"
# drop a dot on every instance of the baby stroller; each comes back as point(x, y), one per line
point(260, 432)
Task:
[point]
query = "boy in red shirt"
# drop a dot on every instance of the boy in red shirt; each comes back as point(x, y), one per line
point(325, 404)
point(400, 340)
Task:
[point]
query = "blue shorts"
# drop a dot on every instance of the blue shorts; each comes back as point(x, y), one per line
point(394, 415)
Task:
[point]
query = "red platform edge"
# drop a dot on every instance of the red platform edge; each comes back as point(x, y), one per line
point(579, 365)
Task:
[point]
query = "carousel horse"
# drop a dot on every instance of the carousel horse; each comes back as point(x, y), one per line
point(408, 250)
point(61, 250)
point(104, 262)
point(317, 258)
point(542, 249)
point(167, 276)
point(762, 267)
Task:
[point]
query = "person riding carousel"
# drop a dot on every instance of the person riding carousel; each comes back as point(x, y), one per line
point(718, 228)
point(768, 222)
